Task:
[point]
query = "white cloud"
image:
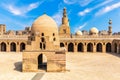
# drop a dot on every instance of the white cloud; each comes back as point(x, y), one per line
point(21, 10)
point(80, 27)
point(14, 10)
point(88, 10)
point(82, 13)
point(108, 9)
point(70, 1)
point(33, 6)
point(85, 2)
point(81, 2)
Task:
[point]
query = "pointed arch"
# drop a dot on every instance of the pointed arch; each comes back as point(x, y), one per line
point(108, 47)
point(3, 46)
point(80, 47)
point(99, 47)
point(70, 47)
point(13, 47)
point(89, 47)
point(22, 46)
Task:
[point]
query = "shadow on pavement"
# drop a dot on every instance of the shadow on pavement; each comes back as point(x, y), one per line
point(18, 66)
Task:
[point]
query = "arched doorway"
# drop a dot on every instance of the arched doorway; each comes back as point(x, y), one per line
point(99, 47)
point(115, 47)
point(90, 47)
point(22, 46)
point(42, 62)
point(70, 47)
point(3, 46)
point(13, 47)
point(108, 47)
point(61, 45)
point(80, 47)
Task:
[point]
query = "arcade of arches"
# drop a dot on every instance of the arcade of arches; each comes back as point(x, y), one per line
point(12, 47)
point(102, 47)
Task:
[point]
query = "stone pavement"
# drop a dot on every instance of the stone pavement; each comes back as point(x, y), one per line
point(38, 76)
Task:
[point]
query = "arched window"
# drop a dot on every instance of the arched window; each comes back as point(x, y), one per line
point(61, 45)
point(53, 34)
point(54, 39)
point(80, 47)
point(22, 46)
point(42, 40)
point(108, 47)
point(44, 46)
point(12, 46)
point(40, 45)
point(70, 47)
point(42, 34)
point(99, 47)
point(64, 30)
point(3, 46)
point(90, 47)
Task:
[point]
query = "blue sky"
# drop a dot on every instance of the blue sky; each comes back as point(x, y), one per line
point(83, 14)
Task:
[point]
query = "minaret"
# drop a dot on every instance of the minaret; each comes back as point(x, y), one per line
point(64, 29)
point(65, 20)
point(110, 27)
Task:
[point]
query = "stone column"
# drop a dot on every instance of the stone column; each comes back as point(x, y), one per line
point(103, 48)
point(75, 47)
point(112, 48)
point(8, 47)
point(85, 49)
point(94, 48)
point(66, 46)
point(17, 47)
point(117, 49)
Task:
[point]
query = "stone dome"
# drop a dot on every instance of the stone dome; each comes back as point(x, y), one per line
point(79, 33)
point(44, 24)
point(94, 30)
point(46, 27)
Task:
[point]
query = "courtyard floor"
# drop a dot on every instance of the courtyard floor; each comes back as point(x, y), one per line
point(80, 66)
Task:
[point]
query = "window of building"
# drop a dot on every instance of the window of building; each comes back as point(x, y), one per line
point(44, 46)
point(53, 34)
point(54, 39)
point(42, 40)
point(64, 30)
point(40, 45)
point(42, 34)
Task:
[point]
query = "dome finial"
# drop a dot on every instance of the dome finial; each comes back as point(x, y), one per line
point(64, 8)
point(110, 21)
point(44, 12)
